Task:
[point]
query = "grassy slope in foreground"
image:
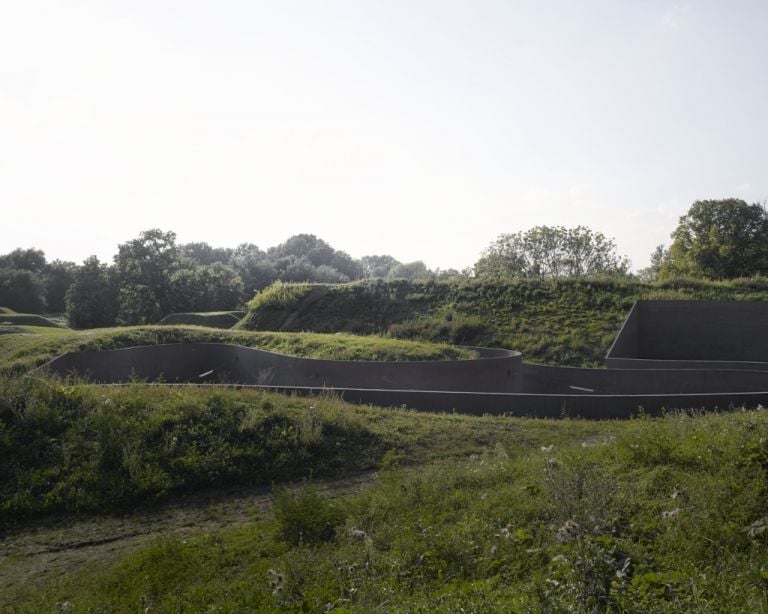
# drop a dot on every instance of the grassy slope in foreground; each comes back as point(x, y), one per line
point(571, 322)
point(19, 353)
point(664, 515)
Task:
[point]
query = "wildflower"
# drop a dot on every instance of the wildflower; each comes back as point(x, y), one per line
point(359, 535)
point(569, 532)
point(276, 581)
point(670, 514)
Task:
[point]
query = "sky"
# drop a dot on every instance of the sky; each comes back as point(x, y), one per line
point(423, 129)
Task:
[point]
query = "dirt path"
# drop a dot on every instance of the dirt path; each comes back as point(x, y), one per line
point(59, 548)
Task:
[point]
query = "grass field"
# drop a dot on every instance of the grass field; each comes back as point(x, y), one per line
point(21, 352)
point(479, 514)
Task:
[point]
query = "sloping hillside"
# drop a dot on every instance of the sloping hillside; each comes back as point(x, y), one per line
point(571, 322)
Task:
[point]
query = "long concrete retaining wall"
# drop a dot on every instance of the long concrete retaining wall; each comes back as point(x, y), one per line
point(496, 370)
point(497, 382)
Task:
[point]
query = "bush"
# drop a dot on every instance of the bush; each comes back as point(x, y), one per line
point(305, 517)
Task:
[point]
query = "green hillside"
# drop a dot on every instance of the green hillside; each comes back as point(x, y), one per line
point(213, 319)
point(570, 322)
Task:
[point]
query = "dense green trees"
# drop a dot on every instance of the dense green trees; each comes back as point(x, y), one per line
point(30, 284)
point(718, 239)
point(213, 287)
point(551, 252)
point(92, 298)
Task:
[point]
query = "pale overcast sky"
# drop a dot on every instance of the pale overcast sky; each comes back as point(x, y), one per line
point(422, 129)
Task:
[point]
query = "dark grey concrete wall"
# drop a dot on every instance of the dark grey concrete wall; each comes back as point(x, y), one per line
point(538, 379)
point(497, 370)
point(497, 383)
point(729, 334)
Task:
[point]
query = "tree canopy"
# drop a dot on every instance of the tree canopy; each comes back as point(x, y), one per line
point(551, 252)
point(719, 239)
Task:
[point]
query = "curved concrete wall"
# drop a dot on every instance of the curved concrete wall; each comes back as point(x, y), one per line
point(497, 370)
point(497, 382)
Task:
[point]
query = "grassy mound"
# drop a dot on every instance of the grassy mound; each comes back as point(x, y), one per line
point(212, 319)
point(20, 353)
point(27, 319)
point(647, 515)
point(570, 322)
point(6, 310)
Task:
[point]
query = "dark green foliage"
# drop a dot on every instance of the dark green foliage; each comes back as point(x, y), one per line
point(22, 290)
point(719, 239)
point(206, 288)
point(58, 278)
point(305, 517)
point(143, 269)
point(81, 449)
point(203, 254)
point(92, 298)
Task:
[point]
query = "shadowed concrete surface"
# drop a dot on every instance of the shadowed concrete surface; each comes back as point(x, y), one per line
point(693, 335)
point(496, 382)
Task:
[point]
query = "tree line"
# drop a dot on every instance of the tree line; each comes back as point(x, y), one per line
point(152, 276)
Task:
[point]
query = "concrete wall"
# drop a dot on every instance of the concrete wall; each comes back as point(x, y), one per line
point(496, 383)
point(729, 334)
point(498, 370)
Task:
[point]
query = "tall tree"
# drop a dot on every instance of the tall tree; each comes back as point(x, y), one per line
point(59, 275)
point(719, 239)
point(91, 299)
point(144, 267)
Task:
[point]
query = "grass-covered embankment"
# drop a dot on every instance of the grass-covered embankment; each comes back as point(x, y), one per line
point(649, 515)
point(21, 352)
point(27, 319)
point(567, 322)
point(212, 319)
point(88, 449)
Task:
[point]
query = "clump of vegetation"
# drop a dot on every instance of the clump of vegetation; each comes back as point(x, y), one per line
point(305, 517)
point(280, 296)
